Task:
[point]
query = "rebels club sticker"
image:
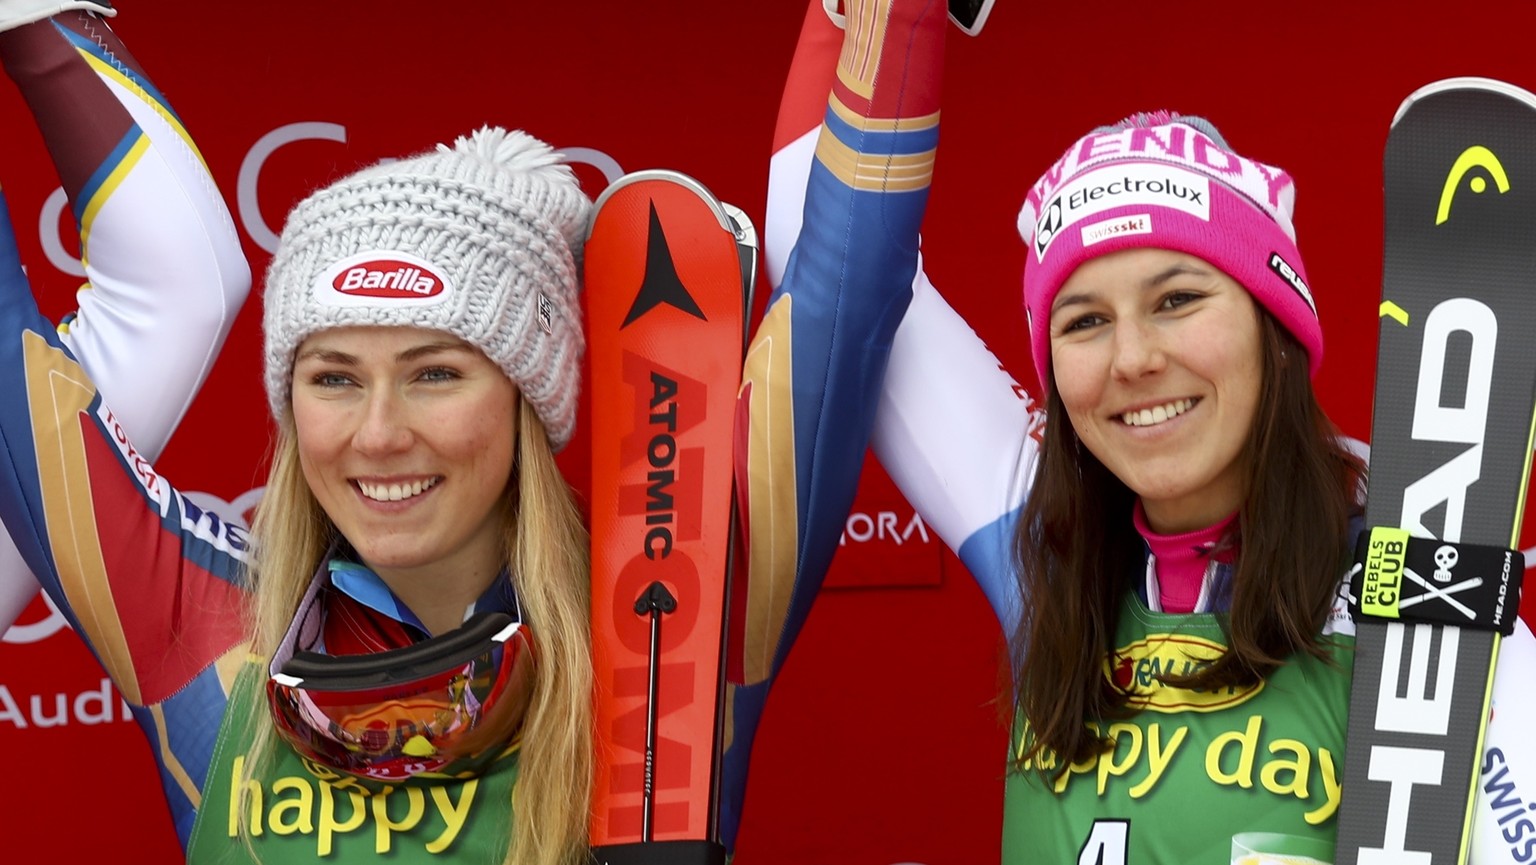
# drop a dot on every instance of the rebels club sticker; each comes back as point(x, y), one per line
point(382, 277)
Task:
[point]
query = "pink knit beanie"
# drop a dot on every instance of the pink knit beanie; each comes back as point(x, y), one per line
point(1170, 182)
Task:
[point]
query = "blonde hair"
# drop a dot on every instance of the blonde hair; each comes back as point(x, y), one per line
point(547, 554)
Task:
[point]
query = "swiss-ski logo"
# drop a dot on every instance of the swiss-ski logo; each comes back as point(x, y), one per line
point(367, 278)
point(1501, 792)
point(1140, 223)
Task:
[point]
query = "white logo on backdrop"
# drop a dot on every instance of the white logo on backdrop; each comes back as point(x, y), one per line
point(249, 180)
point(250, 172)
point(861, 528)
point(47, 232)
point(595, 158)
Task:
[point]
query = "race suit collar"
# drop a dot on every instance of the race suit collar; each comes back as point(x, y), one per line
point(1180, 567)
point(360, 584)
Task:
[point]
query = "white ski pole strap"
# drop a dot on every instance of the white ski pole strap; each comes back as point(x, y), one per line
point(970, 15)
point(1401, 577)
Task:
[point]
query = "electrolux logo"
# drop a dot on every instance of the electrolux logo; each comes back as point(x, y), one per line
point(1122, 185)
point(1050, 223)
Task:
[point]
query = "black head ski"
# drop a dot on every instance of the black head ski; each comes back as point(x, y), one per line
point(1450, 458)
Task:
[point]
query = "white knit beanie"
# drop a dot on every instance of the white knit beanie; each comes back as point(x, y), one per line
point(481, 240)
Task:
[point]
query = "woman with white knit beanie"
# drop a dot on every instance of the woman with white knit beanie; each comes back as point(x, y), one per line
point(397, 660)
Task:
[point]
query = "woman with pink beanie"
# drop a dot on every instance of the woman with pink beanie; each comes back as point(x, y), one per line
point(1164, 540)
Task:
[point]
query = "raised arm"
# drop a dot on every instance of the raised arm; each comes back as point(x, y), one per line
point(953, 429)
point(814, 368)
point(165, 273)
point(150, 582)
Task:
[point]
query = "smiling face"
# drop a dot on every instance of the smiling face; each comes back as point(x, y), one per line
point(1156, 356)
point(406, 437)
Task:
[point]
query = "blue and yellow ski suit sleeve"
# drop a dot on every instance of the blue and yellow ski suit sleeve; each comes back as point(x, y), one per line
point(814, 367)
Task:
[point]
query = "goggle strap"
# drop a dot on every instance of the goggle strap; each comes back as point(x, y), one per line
point(405, 664)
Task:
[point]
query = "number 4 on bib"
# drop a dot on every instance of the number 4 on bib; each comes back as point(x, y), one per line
point(1107, 843)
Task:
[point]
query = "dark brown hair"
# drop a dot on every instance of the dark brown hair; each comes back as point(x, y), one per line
point(1078, 554)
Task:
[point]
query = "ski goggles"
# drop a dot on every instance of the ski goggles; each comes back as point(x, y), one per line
point(448, 706)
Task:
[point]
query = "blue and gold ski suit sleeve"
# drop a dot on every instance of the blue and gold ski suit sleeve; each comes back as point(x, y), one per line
point(147, 579)
point(814, 368)
point(165, 273)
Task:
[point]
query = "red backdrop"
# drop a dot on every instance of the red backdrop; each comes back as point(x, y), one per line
point(881, 744)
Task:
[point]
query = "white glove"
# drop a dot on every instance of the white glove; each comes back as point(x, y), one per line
point(14, 13)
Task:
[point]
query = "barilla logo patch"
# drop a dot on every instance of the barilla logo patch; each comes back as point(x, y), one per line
point(387, 279)
point(1283, 269)
point(1122, 185)
point(1141, 223)
point(1139, 668)
point(390, 276)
